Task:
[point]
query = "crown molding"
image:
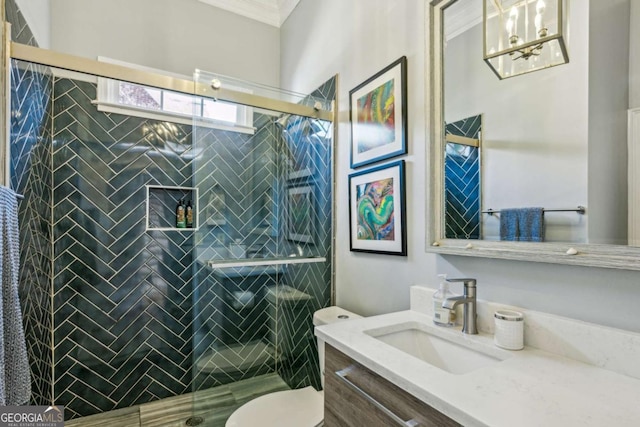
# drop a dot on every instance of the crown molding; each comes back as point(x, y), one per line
point(272, 12)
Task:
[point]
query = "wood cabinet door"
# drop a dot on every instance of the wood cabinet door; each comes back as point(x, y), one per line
point(354, 396)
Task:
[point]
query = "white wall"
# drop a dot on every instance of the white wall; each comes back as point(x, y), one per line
point(356, 39)
point(37, 15)
point(634, 48)
point(172, 35)
point(532, 155)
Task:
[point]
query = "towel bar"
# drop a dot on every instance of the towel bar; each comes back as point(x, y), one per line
point(580, 209)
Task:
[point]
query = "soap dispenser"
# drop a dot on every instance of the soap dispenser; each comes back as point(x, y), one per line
point(443, 316)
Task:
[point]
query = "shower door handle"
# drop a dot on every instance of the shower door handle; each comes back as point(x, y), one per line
point(342, 375)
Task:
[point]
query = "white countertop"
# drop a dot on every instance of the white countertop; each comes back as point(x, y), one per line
point(531, 387)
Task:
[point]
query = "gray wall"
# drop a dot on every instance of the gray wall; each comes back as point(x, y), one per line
point(38, 15)
point(172, 35)
point(365, 36)
point(608, 104)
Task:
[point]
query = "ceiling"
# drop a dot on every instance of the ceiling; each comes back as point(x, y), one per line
point(461, 16)
point(272, 12)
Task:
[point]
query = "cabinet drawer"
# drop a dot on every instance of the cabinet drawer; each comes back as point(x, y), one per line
point(354, 396)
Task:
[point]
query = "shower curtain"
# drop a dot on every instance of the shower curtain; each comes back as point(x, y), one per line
point(15, 380)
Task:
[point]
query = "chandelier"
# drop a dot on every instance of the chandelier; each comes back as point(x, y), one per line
point(521, 36)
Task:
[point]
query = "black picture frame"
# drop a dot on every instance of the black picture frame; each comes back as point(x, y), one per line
point(377, 210)
point(378, 113)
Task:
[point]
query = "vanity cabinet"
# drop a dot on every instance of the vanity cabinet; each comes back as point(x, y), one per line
point(354, 396)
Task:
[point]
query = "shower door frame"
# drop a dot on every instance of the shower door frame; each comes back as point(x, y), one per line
point(118, 72)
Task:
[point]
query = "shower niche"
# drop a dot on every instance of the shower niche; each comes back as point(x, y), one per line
point(162, 202)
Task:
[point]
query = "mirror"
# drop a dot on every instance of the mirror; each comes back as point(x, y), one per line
point(553, 139)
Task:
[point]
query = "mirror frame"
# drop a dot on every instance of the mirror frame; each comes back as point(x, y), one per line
point(592, 255)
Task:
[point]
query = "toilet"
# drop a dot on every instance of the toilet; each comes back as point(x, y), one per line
point(291, 408)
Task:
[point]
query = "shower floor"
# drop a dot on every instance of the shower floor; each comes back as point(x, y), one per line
point(213, 405)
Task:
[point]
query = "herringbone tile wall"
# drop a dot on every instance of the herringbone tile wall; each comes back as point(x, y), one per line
point(137, 315)
point(462, 182)
point(122, 295)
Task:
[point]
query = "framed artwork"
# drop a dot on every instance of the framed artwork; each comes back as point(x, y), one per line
point(378, 110)
point(300, 223)
point(377, 210)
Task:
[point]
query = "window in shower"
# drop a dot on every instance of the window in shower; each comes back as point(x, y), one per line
point(148, 102)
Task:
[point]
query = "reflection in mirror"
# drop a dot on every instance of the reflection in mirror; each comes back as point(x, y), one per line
point(462, 178)
point(556, 139)
point(550, 141)
point(523, 36)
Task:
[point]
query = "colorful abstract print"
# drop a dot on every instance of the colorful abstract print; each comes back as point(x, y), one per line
point(375, 210)
point(376, 113)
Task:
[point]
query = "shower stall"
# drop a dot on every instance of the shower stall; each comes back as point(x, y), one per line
point(123, 306)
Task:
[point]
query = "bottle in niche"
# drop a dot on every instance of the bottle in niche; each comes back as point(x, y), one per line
point(188, 212)
point(181, 221)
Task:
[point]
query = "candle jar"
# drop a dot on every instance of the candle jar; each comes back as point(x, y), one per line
point(509, 331)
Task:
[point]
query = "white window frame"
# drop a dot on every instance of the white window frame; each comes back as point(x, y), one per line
point(108, 101)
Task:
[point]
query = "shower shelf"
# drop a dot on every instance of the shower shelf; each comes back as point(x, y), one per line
point(255, 262)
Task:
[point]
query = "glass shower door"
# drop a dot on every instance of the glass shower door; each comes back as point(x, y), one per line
point(262, 248)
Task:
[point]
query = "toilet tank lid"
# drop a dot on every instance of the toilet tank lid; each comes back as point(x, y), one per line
point(332, 314)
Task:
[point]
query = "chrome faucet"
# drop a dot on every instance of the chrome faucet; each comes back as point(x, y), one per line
point(469, 325)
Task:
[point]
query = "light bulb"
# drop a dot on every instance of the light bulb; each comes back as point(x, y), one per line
point(541, 30)
point(509, 27)
point(512, 23)
point(539, 24)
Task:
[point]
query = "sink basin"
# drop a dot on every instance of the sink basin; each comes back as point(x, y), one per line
point(431, 345)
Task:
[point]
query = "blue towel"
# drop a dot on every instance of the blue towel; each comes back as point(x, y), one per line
point(522, 224)
point(531, 224)
point(15, 379)
point(509, 224)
